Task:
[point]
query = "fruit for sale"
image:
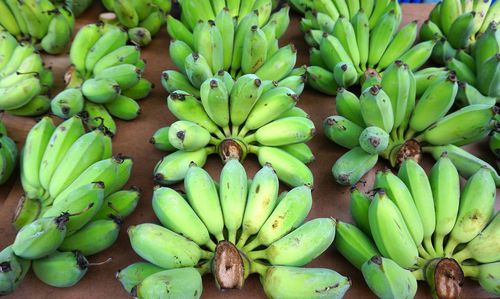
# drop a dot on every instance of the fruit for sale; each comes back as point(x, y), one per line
point(46, 25)
point(460, 231)
point(105, 79)
point(12, 270)
point(399, 116)
point(232, 229)
point(353, 38)
point(61, 269)
point(8, 155)
point(234, 118)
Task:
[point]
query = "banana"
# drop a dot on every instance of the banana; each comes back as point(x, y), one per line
point(485, 274)
point(463, 72)
point(289, 213)
point(345, 74)
point(399, 45)
point(20, 94)
point(140, 90)
point(484, 248)
point(427, 111)
point(361, 28)
point(255, 47)
point(160, 140)
point(126, 13)
point(41, 237)
point(215, 99)
point(176, 251)
point(490, 72)
point(108, 42)
point(82, 44)
point(124, 108)
point(376, 108)
point(58, 35)
point(289, 169)
point(343, 29)
point(7, 47)
point(442, 51)
point(380, 37)
point(61, 269)
point(97, 117)
point(349, 107)
point(332, 51)
point(174, 81)
point(233, 192)
point(244, 94)
point(445, 185)
point(143, 8)
point(494, 144)
point(460, 30)
point(390, 232)
point(135, 273)
point(33, 151)
point(96, 236)
point(374, 140)
point(351, 166)
point(301, 151)
point(178, 31)
point(295, 282)
point(444, 276)
point(262, 199)
point(122, 55)
point(279, 65)
point(397, 191)
point(8, 20)
point(101, 90)
point(126, 75)
point(430, 30)
point(197, 69)
point(419, 54)
point(478, 117)
point(153, 22)
point(170, 283)
point(173, 168)
point(175, 214)
point(240, 32)
point(415, 179)
point(38, 105)
point(424, 80)
point(283, 131)
point(449, 11)
point(37, 20)
point(321, 80)
point(473, 214)
point(396, 83)
point(387, 279)
point(358, 206)
point(353, 244)
point(121, 204)
point(208, 43)
point(300, 246)
point(67, 103)
point(342, 131)
point(13, 270)
point(17, 58)
point(226, 26)
point(481, 8)
point(295, 111)
point(466, 58)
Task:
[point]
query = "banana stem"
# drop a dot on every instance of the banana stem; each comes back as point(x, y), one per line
point(394, 135)
point(211, 245)
point(243, 132)
point(204, 268)
point(421, 262)
point(227, 131)
point(470, 271)
point(419, 274)
point(258, 268)
point(232, 236)
point(426, 149)
point(252, 245)
point(249, 138)
point(429, 247)
point(422, 252)
point(206, 255)
point(257, 255)
point(214, 141)
point(219, 135)
point(243, 239)
point(409, 134)
point(462, 255)
point(438, 244)
point(235, 130)
point(211, 150)
point(253, 149)
point(450, 247)
point(220, 237)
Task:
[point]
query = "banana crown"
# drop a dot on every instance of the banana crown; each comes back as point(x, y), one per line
point(232, 229)
point(464, 230)
point(234, 117)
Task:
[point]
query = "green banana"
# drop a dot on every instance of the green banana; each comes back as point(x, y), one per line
point(61, 269)
point(353, 165)
point(342, 131)
point(173, 168)
point(170, 283)
point(353, 244)
point(121, 204)
point(135, 273)
point(376, 108)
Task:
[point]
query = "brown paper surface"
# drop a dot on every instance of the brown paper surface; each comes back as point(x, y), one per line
point(329, 198)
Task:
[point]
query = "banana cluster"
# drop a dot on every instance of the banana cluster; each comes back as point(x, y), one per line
point(424, 227)
point(458, 24)
point(105, 79)
point(350, 40)
point(388, 121)
point(143, 18)
point(8, 155)
point(234, 118)
point(24, 80)
point(73, 204)
point(232, 229)
point(239, 44)
point(39, 21)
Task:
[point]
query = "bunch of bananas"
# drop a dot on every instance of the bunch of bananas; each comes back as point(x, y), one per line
point(39, 21)
point(243, 44)
point(234, 118)
point(105, 79)
point(24, 80)
point(350, 40)
point(232, 229)
point(8, 154)
point(73, 204)
point(143, 18)
point(419, 227)
point(458, 24)
point(388, 121)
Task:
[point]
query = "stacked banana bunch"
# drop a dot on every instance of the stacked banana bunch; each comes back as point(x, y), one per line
point(388, 121)
point(232, 229)
point(105, 79)
point(419, 227)
point(73, 204)
point(8, 155)
point(458, 24)
point(241, 44)
point(235, 118)
point(40, 21)
point(143, 18)
point(24, 80)
point(350, 40)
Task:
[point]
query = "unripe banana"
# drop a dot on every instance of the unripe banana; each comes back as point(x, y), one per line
point(353, 244)
point(381, 36)
point(461, 30)
point(351, 166)
point(135, 273)
point(20, 94)
point(430, 30)
point(208, 45)
point(358, 206)
point(126, 13)
point(301, 151)
point(387, 279)
point(126, 75)
point(469, 95)
point(164, 248)
point(332, 51)
point(289, 169)
point(8, 154)
point(96, 236)
point(425, 80)
point(390, 232)
point(177, 215)
point(13, 270)
point(215, 99)
point(121, 204)
point(295, 111)
point(295, 282)
point(244, 94)
point(123, 107)
point(174, 81)
point(396, 83)
point(153, 22)
point(122, 55)
point(284, 131)
point(349, 107)
point(173, 168)
point(342, 131)
point(58, 35)
point(450, 10)
point(139, 36)
point(108, 42)
point(38, 105)
point(345, 74)
point(188, 136)
point(485, 274)
point(225, 23)
point(376, 108)
point(343, 30)
point(373, 140)
point(361, 28)
point(445, 185)
point(300, 246)
point(101, 91)
point(67, 103)
point(140, 90)
point(463, 72)
point(173, 283)
point(160, 140)
point(489, 77)
point(279, 65)
point(61, 269)
point(240, 32)
point(321, 80)
point(477, 205)
point(401, 43)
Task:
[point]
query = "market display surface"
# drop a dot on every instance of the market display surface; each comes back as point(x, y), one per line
point(93, 269)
